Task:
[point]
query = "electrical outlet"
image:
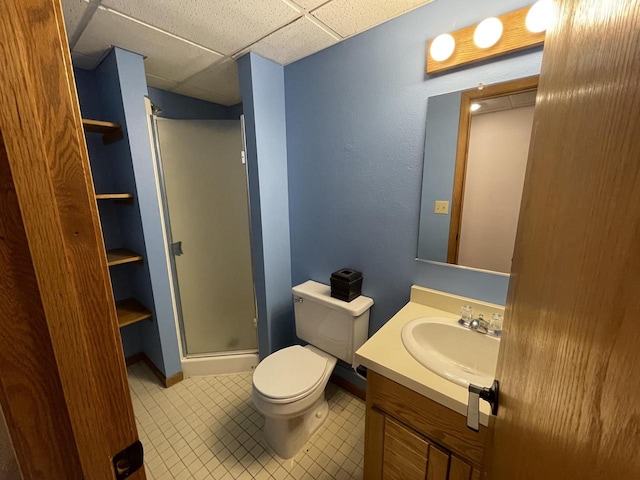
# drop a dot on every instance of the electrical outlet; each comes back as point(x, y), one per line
point(442, 207)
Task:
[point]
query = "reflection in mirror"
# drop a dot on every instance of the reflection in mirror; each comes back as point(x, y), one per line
point(476, 149)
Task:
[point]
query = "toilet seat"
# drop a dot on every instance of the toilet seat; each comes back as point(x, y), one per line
point(289, 374)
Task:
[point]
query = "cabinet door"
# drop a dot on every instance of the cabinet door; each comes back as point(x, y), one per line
point(459, 469)
point(373, 444)
point(438, 464)
point(405, 453)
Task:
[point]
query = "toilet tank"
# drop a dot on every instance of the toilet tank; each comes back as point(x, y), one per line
point(335, 327)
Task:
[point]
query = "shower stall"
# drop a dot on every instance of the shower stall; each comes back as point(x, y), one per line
point(203, 182)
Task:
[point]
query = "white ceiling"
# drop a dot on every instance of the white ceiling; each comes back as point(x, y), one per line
point(190, 46)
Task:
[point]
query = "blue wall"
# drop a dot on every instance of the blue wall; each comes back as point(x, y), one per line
point(181, 107)
point(262, 89)
point(160, 338)
point(356, 115)
point(115, 91)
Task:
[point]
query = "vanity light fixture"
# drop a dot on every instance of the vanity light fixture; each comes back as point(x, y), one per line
point(539, 16)
point(495, 36)
point(488, 32)
point(475, 106)
point(442, 47)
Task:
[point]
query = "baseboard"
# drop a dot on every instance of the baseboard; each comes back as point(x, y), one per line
point(165, 381)
point(135, 358)
point(349, 387)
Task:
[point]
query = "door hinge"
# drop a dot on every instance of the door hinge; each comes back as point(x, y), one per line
point(242, 157)
point(128, 460)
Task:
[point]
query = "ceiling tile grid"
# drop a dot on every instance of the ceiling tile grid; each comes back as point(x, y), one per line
point(225, 26)
point(284, 46)
point(350, 17)
point(190, 46)
point(308, 5)
point(165, 55)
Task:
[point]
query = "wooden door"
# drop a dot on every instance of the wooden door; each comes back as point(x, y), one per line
point(63, 384)
point(569, 357)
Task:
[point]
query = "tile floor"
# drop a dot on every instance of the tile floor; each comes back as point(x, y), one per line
point(207, 427)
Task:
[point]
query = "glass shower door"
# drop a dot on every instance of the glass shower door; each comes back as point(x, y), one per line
point(206, 192)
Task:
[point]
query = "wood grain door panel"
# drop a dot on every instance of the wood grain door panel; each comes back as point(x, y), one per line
point(571, 343)
point(58, 318)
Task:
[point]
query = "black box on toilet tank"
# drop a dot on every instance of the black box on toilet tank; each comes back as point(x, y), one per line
point(346, 284)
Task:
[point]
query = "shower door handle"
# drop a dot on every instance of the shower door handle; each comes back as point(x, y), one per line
point(176, 248)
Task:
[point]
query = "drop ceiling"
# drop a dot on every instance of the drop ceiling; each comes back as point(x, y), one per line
point(191, 46)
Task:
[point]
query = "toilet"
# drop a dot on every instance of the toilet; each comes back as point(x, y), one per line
point(288, 385)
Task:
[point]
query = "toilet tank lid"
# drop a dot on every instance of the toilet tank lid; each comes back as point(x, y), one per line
point(321, 293)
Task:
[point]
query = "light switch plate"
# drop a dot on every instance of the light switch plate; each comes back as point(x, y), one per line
point(442, 207)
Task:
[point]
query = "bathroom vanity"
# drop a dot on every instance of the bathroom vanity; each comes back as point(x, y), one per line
point(416, 426)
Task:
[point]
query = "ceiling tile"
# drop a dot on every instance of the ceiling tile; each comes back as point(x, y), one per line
point(221, 80)
point(293, 42)
point(309, 4)
point(85, 62)
point(72, 11)
point(208, 95)
point(159, 82)
point(348, 17)
point(166, 55)
point(222, 25)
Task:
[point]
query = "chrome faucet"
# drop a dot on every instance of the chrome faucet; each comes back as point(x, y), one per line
point(480, 325)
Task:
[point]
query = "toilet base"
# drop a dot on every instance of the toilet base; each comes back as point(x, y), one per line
point(287, 436)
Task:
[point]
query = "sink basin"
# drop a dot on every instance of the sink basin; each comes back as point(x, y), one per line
point(452, 351)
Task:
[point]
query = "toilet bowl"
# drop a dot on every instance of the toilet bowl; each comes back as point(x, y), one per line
point(288, 389)
point(288, 385)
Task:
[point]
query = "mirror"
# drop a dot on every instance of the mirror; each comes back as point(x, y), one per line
point(476, 148)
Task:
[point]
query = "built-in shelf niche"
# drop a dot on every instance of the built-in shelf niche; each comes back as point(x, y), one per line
point(114, 196)
point(131, 311)
point(120, 256)
point(110, 131)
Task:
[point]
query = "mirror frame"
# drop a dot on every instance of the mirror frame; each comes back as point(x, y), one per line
point(464, 130)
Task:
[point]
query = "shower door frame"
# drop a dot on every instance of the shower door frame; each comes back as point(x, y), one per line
point(164, 206)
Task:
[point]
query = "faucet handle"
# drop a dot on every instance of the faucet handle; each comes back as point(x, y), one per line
point(496, 321)
point(466, 313)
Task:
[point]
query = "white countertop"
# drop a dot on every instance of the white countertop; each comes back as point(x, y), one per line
point(385, 354)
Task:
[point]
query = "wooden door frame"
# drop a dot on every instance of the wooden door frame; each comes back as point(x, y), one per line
point(462, 152)
point(63, 383)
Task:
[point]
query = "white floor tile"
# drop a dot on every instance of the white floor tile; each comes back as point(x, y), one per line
point(207, 428)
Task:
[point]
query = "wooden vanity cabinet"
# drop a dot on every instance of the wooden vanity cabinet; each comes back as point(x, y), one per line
point(409, 437)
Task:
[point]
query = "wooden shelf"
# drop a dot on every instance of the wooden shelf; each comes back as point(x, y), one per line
point(131, 311)
point(111, 132)
point(114, 196)
point(118, 256)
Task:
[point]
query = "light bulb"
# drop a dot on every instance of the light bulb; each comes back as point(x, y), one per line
point(475, 106)
point(442, 47)
point(539, 16)
point(488, 32)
